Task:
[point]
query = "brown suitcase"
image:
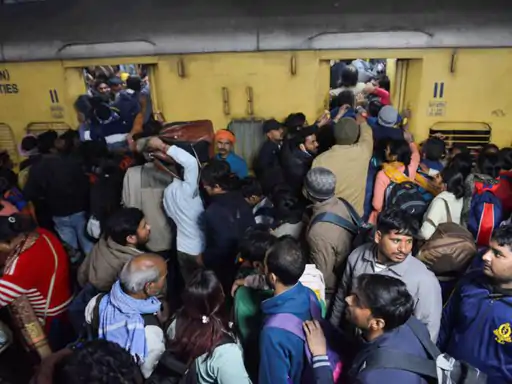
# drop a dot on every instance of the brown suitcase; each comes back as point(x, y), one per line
point(450, 249)
point(195, 137)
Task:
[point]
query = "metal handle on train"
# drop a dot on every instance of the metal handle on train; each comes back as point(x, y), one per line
point(250, 101)
point(225, 100)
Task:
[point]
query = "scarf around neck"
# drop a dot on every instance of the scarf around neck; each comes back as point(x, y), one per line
point(121, 321)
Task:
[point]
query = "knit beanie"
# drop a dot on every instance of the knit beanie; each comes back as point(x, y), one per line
point(346, 131)
point(320, 183)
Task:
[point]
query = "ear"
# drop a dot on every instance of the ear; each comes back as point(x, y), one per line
point(377, 324)
point(378, 237)
point(302, 147)
point(132, 239)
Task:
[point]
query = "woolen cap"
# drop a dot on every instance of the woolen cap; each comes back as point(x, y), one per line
point(320, 183)
point(346, 131)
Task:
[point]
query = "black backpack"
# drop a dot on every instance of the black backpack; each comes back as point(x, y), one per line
point(362, 232)
point(437, 368)
point(407, 197)
point(171, 370)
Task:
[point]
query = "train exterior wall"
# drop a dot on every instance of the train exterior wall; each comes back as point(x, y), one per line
point(441, 85)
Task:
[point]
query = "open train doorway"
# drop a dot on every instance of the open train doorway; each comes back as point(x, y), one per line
point(371, 80)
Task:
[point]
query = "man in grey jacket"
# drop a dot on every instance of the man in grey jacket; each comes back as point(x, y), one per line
point(390, 255)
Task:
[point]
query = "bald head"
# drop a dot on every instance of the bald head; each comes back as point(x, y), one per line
point(144, 274)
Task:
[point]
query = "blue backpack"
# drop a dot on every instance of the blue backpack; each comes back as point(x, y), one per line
point(486, 212)
point(293, 324)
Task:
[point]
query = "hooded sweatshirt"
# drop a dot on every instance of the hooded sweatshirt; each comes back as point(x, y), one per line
point(282, 353)
point(103, 264)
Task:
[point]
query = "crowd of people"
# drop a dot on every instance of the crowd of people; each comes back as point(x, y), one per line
point(344, 252)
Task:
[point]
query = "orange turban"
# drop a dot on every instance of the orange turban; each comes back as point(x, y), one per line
point(224, 134)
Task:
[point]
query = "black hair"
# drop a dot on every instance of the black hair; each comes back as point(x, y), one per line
point(346, 97)
point(94, 152)
point(463, 162)
point(386, 297)
point(490, 148)
point(29, 143)
point(123, 223)
point(134, 83)
point(374, 107)
point(255, 243)
point(295, 121)
point(301, 136)
point(402, 150)
point(68, 139)
point(83, 105)
point(489, 163)
point(462, 148)
point(384, 82)
point(46, 141)
point(100, 81)
point(454, 180)
point(434, 149)
point(98, 362)
point(15, 225)
point(506, 158)
point(251, 187)
point(349, 76)
point(503, 236)
point(286, 260)
point(399, 221)
point(286, 205)
point(218, 172)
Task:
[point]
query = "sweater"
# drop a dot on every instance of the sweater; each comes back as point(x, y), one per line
point(102, 266)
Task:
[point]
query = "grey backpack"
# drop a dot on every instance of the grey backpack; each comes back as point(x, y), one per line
point(439, 368)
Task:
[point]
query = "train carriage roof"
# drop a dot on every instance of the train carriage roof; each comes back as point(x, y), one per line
point(67, 29)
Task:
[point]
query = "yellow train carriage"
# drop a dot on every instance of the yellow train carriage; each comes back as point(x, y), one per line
point(451, 81)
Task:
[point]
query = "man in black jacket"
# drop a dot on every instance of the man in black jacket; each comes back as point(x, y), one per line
point(224, 221)
point(297, 155)
point(58, 182)
point(267, 160)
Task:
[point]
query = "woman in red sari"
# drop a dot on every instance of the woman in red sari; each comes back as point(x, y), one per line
point(35, 274)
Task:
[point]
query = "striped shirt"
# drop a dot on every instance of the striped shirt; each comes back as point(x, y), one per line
point(31, 273)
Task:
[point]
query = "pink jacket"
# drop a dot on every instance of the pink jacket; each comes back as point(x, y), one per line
point(382, 181)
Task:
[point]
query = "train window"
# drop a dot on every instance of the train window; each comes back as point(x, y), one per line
point(8, 143)
point(473, 135)
point(249, 138)
point(40, 127)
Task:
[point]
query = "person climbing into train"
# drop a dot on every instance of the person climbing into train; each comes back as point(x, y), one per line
point(349, 158)
point(476, 325)
point(225, 141)
point(400, 166)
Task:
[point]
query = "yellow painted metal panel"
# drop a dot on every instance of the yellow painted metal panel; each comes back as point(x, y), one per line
point(475, 91)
